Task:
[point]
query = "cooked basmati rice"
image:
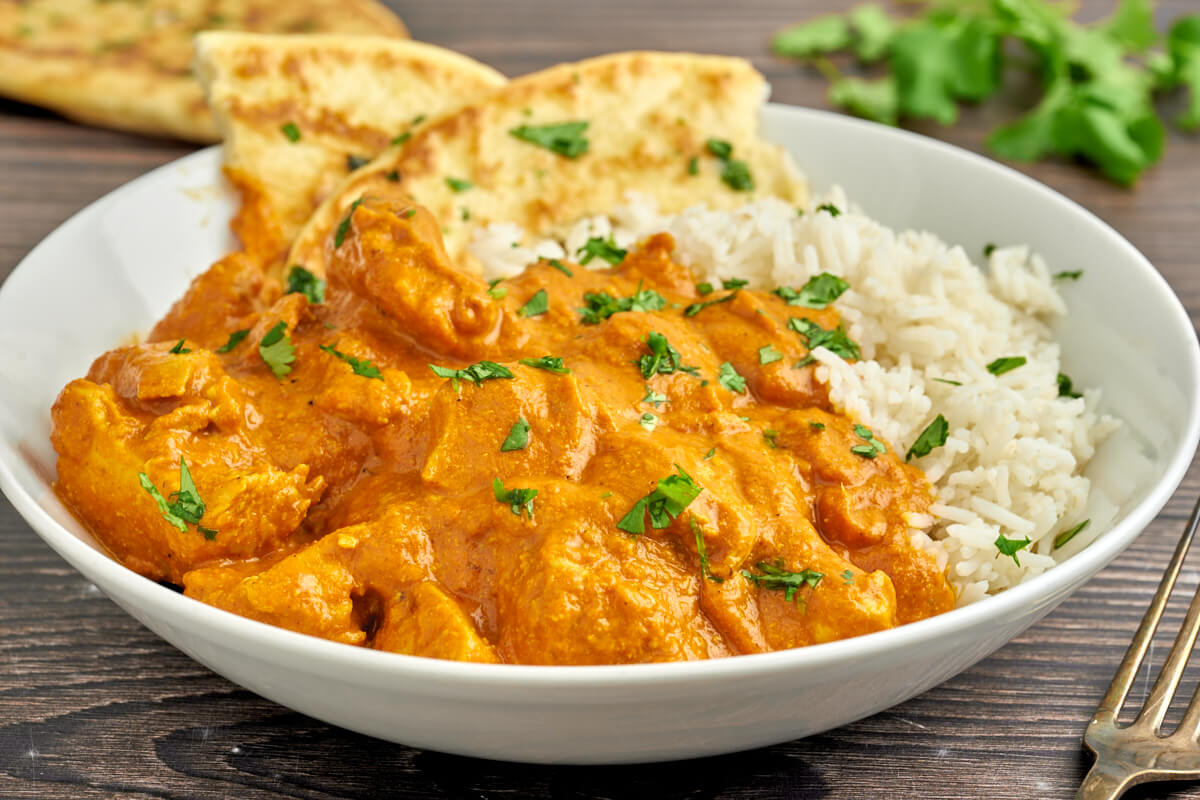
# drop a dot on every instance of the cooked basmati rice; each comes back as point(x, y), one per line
point(920, 311)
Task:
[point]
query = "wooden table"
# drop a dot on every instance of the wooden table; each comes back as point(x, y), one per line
point(92, 705)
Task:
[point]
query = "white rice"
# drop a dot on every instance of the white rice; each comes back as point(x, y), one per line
point(919, 310)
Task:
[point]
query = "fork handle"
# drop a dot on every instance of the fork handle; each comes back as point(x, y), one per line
point(1105, 781)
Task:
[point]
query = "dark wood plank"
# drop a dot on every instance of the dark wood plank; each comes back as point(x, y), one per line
point(94, 706)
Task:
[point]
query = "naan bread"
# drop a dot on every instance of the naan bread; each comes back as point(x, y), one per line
point(649, 119)
point(297, 113)
point(127, 65)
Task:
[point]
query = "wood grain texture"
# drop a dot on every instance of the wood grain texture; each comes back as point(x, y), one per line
point(92, 705)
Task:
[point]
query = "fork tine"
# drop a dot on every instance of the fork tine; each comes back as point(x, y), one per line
point(1156, 706)
point(1114, 698)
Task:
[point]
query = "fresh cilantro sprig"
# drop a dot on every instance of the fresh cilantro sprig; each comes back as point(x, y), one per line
point(774, 576)
point(301, 281)
point(549, 363)
point(662, 358)
point(184, 506)
point(516, 499)
point(564, 138)
point(597, 247)
point(818, 292)
point(934, 435)
point(599, 306)
point(672, 495)
point(836, 341)
point(477, 373)
point(361, 367)
point(277, 351)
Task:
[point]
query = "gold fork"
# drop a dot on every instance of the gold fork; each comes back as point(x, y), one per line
point(1138, 752)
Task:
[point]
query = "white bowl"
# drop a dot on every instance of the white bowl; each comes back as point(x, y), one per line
point(116, 266)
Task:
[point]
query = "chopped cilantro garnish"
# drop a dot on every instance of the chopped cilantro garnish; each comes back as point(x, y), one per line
point(496, 292)
point(702, 551)
point(933, 436)
point(734, 283)
point(234, 340)
point(719, 148)
point(1068, 275)
point(833, 210)
point(873, 446)
point(599, 306)
point(515, 499)
point(774, 576)
point(301, 281)
point(518, 436)
point(696, 308)
point(693, 167)
point(1061, 539)
point(729, 377)
point(988, 249)
point(538, 304)
point(709, 454)
point(648, 421)
point(290, 131)
point(344, 226)
point(276, 350)
point(767, 354)
point(185, 506)
point(606, 249)
point(673, 494)
point(947, 380)
point(558, 265)
point(1010, 547)
point(770, 437)
point(654, 398)
point(548, 363)
point(835, 341)
point(704, 288)
point(402, 138)
point(736, 175)
point(393, 176)
point(458, 185)
point(817, 426)
point(848, 578)
point(1006, 364)
point(564, 138)
point(178, 348)
point(662, 358)
point(1065, 389)
point(818, 292)
point(477, 373)
point(361, 367)
point(353, 162)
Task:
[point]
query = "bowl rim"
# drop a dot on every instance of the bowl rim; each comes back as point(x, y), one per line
point(323, 655)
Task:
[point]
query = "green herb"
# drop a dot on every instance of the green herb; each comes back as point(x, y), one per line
point(817, 426)
point(693, 167)
point(833, 210)
point(734, 283)
point(703, 289)
point(1097, 80)
point(179, 348)
point(494, 292)
point(947, 380)
point(774, 576)
point(729, 377)
point(290, 131)
point(301, 281)
point(1006, 364)
point(276, 350)
point(848, 578)
point(770, 436)
point(1010, 547)
point(702, 551)
point(353, 162)
point(538, 304)
point(558, 265)
point(518, 436)
point(709, 454)
point(411, 213)
point(720, 148)
point(465, 214)
point(1065, 389)
point(673, 494)
point(361, 367)
point(564, 138)
point(933, 436)
point(1072, 275)
point(648, 421)
point(344, 226)
point(457, 185)
point(606, 249)
point(235, 339)
point(1061, 539)
point(477, 373)
point(393, 176)
point(735, 174)
point(515, 499)
point(873, 446)
point(988, 249)
point(185, 506)
point(696, 308)
point(549, 363)
point(599, 306)
point(835, 341)
point(606, 495)
point(654, 398)
point(662, 358)
point(402, 138)
point(767, 354)
point(818, 292)
point(418, 119)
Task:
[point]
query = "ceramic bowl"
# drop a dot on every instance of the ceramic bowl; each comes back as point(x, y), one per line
point(115, 267)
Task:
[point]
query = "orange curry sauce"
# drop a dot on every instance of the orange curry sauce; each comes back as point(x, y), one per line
point(355, 497)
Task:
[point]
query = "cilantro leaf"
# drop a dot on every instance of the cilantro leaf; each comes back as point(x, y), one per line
point(702, 551)
point(662, 358)
point(518, 436)
point(606, 249)
point(672, 495)
point(824, 34)
point(1061, 539)
point(360, 367)
point(344, 226)
point(277, 351)
point(564, 138)
point(830, 208)
point(515, 499)
point(1010, 547)
point(767, 354)
point(654, 398)
point(774, 576)
point(871, 99)
point(648, 421)
point(179, 349)
point(477, 373)
point(456, 185)
point(353, 162)
point(818, 292)
point(835, 341)
point(184, 506)
point(873, 31)
point(1065, 387)
point(301, 281)
point(536, 305)
point(291, 131)
point(558, 265)
point(549, 363)
point(234, 340)
point(933, 436)
point(695, 308)
point(729, 377)
point(599, 306)
point(496, 292)
point(873, 446)
point(1005, 364)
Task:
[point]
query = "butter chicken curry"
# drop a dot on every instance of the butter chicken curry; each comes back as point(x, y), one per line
point(569, 466)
